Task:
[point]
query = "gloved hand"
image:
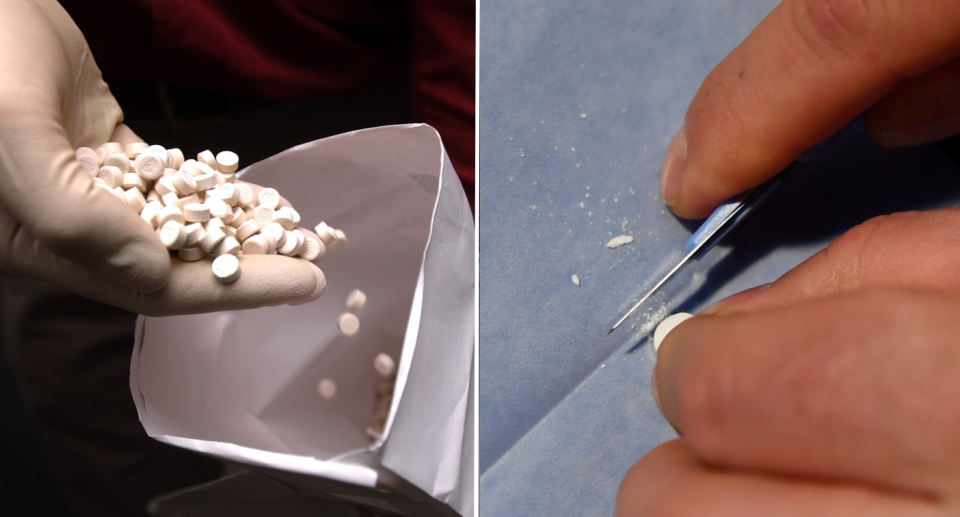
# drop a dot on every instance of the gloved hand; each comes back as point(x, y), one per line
point(57, 227)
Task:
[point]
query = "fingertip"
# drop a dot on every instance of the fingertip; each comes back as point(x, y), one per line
point(319, 287)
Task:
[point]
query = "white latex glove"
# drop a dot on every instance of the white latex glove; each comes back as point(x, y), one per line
point(57, 227)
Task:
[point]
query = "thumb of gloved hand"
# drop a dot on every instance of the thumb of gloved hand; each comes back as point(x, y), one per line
point(52, 101)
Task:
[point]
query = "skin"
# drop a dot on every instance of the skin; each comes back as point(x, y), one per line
point(831, 391)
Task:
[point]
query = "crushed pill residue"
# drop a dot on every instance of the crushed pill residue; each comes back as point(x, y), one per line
point(576, 279)
point(618, 241)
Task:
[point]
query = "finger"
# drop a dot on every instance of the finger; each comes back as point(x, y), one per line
point(45, 189)
point(919, 110)
point(808, 69)
point(854, 387)
point(915, 250)
point(670, 481)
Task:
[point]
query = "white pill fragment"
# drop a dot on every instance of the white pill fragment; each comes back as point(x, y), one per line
point(263, 215)
point(575, 279)
point(134, 199)
point(327, 388)
point(118, 160)
point(269, 198)
point(134, 180)
point(312, 250)
point(150, 164)
point(226, 268)
point(195, 232)
point(356, 300)
point(134, 149)
point(176, 158)
point(173, 235)
point(207, 157)
point(150, 212)
point(110, 175)
point(89, 160)
point(227, 162)
point(190, 254)
point(666, 326)
point(384, 365)
point(348, 324)
point(256, 245)
point(210, 239)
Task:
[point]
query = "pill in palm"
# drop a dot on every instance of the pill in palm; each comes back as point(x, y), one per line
point(227, 162)
point(190, 254)
point(269, 198)
point(356, 300)
point(312, 249)
point(110, 175)
point(384, 365)
point(666, 326)
point(226, 268)
point(173, 235)
point(89, 159)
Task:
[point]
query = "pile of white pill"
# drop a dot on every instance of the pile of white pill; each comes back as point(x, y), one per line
point(199, 210)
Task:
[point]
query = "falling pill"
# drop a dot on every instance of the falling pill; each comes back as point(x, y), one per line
point(327, 388)
point(384, 365)
point(349, 324)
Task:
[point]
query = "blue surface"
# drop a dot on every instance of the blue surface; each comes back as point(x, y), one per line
point(578, 103)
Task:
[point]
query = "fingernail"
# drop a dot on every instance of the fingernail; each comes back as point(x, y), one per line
point(674, 168)
point(736, 299)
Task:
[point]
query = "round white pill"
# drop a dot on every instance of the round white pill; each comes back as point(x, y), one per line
point(340, 242)
point(189, 200)
point(666, 326)
point(269, 197)
point(246, 194)
point(384, 365)
point(325, 232)
point(134, 149)
point(228, 246)
point(134, 180)
point(284, 219)
point(247, 229)
point(226, 268)
point(227, 162)
point(184, 183)
point(110, 175)
point(348, 324)
point(356, 300)
point(256, 245)
point(263, 214)
point(273, 231)
point(154, 196)
point(170, 213)
point(173, 235)
point(239, 217)
point(119, 161)
point(312, 250)
point(205, 181)
point(214, 223)
point(327, 388)
point(217, 207)
point(111, 148)
point(290, 245)
point(206, 157)
point(171, 199)
point(195, 232)
point(89, 159)
point(190, 254)
point(150, 212)
point(191, 167)
point(176, 158)
point(210, 239)
point(150, 164)
point(164, 186)
point(134, 199)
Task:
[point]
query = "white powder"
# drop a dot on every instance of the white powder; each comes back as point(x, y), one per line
point(618, 241)
point(576, 279)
